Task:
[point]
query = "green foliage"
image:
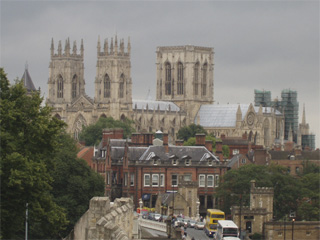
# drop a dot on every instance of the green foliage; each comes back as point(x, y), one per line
point(257, 236)
point(225, 151)
point(190, 142)
point(28, 141)
point(190, 131)
point(74, 182)
point(92, 134)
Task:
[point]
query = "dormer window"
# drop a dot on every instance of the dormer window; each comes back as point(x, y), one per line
point(174, 161)
point(103, 153)
point(187, 160)
point(210, 162)
point(155, 162)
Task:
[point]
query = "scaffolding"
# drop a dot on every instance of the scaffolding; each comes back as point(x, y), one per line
point(262, 98)
point(290, 107)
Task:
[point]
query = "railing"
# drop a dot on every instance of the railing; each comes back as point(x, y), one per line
point(153, 225)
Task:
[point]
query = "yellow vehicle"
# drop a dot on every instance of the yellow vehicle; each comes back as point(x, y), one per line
point(212, 218)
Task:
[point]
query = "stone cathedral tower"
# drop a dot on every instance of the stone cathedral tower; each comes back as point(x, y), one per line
point(185, 77)
point(113, 84)
point(66, 76)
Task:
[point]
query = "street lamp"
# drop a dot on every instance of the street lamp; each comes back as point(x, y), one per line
point(292, 226)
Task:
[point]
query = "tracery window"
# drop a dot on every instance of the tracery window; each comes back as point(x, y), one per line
point(168, 79)
point(107, 86)
point(196, 78)
point(204, 80)
point(74, 86)
point(121, 86)
point(60, 87)
point(180, 78)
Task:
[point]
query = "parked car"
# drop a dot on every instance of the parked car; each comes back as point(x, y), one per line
point(177, 222)
point(199, 225)
point(157, 216)
point(191, 223)
point(151, 216)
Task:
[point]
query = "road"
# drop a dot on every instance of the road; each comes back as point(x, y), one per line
point(197, 234)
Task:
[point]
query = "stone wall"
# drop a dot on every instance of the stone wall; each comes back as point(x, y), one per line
point(105, 220)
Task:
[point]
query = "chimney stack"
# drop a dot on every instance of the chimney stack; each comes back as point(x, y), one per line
point(200, 139)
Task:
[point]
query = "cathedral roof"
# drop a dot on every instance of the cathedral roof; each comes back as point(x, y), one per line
point(225, 115)
point(27, 81)
point(154, 105)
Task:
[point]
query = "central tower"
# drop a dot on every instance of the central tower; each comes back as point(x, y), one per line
point(185, 76)
point(113, 84)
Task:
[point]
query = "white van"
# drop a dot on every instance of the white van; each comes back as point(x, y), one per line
point(226, 229)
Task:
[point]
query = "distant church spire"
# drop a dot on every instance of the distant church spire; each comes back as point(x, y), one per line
point(304, 115)
point(52, 48)
point(82, 48)
point(98, 46)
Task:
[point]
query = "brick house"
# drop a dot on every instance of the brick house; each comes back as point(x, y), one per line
point(145, 168)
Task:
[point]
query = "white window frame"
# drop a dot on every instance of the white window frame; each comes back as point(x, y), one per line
point(216, 180)
point(132, 179)
point(155, 180)
point(186, 176)
point(146, 178)
point(211, 184)
point(202, 178)
point(175, 180)
point(162, 180)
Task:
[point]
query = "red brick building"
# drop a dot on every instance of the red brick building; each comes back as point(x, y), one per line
point(144, 167)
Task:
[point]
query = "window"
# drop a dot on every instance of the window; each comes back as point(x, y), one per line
point(210, 181)
point(147, 180)
point(180, 78)
point(155, 180)
point(168, 79)
point(187, 177)
point(121, 86)
point(161, 180)
point(217, 180)
point(132, 179)
point(202, 181)
point(235, 151)
point(187, 161)
point(126, 179)
point(174, 180)
point(196, 78)
point(204, 80)
point(60, 87)
point(243, 160)
point(297, 170)
point(108, 178)
point(174, 161)
point(74, 86)
point(107, 86)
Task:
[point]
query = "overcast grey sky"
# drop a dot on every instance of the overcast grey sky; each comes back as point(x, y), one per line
point(270, 45)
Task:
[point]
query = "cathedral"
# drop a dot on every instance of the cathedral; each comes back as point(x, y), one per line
point(184, 94)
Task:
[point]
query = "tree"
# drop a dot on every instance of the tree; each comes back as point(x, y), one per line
point(237, 182)
point(29, 139)
point(225, 151)
point(190, 131)
point(92, 134)
point(75, 183)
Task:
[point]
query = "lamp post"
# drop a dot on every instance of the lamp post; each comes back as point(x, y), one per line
point(292, 226)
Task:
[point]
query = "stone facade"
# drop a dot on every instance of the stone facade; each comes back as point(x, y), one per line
point(105, 220)
point(252, 218)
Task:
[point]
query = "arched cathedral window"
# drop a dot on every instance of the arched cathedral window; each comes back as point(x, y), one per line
point(196, 78)
point(106, 86)
point(74, 86)
point(180, 78)
point(204, 80)
point(168, 78)
point(60, 87)
point(121, 86)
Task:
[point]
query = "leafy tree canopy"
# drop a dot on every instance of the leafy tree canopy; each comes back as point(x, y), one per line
point(290, 193)
point(29, 139)
point(39, 167)
point(92, 134)
point(190, 131)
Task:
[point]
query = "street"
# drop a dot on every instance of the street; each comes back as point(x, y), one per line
point(197, 234)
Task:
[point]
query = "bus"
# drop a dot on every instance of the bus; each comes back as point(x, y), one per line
point(213, 215)
point(226, 228)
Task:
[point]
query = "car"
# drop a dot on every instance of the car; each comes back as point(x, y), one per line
point(157, 216)
point(191, 223)
point(199, 225)
point(177, 222)
point(151, 216)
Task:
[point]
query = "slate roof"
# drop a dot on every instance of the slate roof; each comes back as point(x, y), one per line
point(305, 155)
point(224, 115)
point(154, 105)
point(27, 81)
point(199, 153)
